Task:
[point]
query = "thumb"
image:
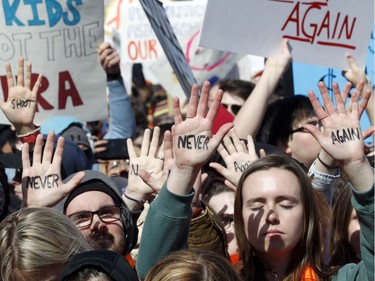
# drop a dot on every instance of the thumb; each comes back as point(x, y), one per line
point(73, 182)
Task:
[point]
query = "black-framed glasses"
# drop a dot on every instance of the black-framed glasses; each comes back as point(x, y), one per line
point(301, 129)
point(235, 108)
point(106, 214)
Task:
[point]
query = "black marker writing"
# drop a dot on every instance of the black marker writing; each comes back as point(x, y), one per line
point(193, 142)
point(37, 182)
point(21, 103)
point(134, 170)
point(241, 168)
point(349, 134)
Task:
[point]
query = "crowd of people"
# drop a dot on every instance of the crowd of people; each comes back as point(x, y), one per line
point(285, 191)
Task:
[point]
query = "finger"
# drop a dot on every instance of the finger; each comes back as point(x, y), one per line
point(204, 177)
point(216, 139)
point(37, 154)
point(25, 157)
point(37, 85)
point(368, 132)
point(236, 140)
point(221, 169)
point(364, 101)
point(131, 152)
point(100, 143)
point(154, 142)
point(149, 180)
point(251, 145)
point(10, 79)
point(214, 106)
point(262, 153)
point(160, 153)
point(355, 107)
point(223, 152)
point(168, 149)
point(328, 104)
point(20, 72)
point(72, 183)
point(99, 149)
point(346, 91)
point(320, 112)
point(351, 62)
point(48, 147)
point(145, 142)
point(338, 99)
point(202, 106)
point(230, 185)
point(193, 102)
point(229, 144)
point(28, 76)
point(177, 111)
point(315, 132)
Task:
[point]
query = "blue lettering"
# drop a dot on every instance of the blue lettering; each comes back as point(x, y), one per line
point(10, 12)
point(35, 21)
point(54, 11)
point(74, 11)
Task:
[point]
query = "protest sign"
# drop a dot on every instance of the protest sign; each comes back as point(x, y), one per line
point(139, 42)
point(60, 39)
point(320, 33)
point(167, 38)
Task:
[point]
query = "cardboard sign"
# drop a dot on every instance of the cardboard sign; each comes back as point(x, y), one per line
point(320, 32)
point(167, 38)
point(60, 39)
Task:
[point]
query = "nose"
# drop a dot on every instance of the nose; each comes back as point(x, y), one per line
point(97, 223)
point(272, 217)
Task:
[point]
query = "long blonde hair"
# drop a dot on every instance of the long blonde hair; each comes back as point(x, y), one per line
point(33, 240)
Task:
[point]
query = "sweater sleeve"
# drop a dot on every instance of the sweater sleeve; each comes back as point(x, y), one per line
point(121, 116)
point(363, 203)
point(165, 230)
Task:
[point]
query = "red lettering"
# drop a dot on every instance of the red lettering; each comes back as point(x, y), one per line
point(142, 49)
point(67, 89)
point(325, 25)
point(117, 18)
point(293, 19)
point(345, 24)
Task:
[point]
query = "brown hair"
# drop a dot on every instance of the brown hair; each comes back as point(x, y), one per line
point(193, 265)
point(309, 249)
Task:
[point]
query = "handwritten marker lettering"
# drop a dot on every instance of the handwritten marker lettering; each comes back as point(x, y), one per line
point(193, 142)
point(349, 134)
point(38, 182)
point(241, 168)
point(21, 103)
point(301, 25)
point(134, 170)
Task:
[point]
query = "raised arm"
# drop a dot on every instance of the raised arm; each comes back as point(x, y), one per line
point(256, 104)
point(121, 116)
point(342, 136)
point(354, 75)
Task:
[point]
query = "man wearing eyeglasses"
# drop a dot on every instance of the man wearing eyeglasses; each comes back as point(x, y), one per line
point(96, 207)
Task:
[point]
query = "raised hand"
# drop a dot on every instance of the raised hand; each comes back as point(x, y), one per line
point(42, 184)
point(21, 103)
point(342, 137)
point(193, 143)
point(150, 160)
point(109, 59)
point(236, 155)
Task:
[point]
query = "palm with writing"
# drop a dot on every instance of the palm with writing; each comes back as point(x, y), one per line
point(150, 160)
point(193, 143)
point(237, 157)
point(341, 137)
point(21, 103)
point(42, 184)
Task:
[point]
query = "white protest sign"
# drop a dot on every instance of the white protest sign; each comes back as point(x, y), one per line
point(60, 39)
point(320, 32)
point(139, 42)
